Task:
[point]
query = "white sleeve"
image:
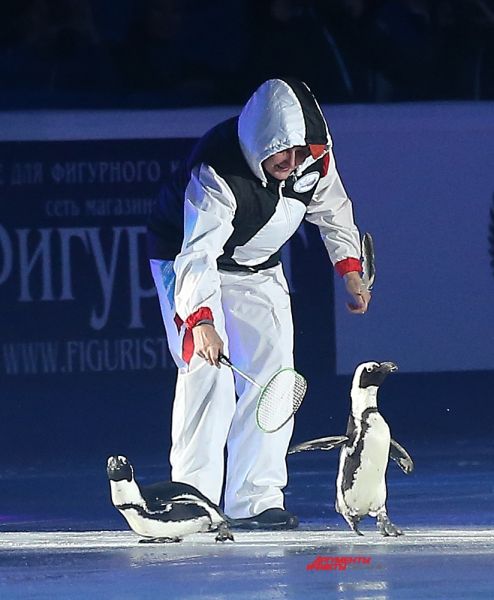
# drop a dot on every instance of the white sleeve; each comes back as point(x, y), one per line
point(209, 209)
point(331, 210)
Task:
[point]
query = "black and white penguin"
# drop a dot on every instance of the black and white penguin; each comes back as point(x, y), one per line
point(163, 512)
point(365, 452)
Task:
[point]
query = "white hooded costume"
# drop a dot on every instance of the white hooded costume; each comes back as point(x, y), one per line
point(222, 263)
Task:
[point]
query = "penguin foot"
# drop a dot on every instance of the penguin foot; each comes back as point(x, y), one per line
point(224, 534)
point(160, 540)
point(386, 528)
point(353, 523)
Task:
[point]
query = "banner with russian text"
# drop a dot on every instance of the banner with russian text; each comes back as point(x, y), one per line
point(83, 355)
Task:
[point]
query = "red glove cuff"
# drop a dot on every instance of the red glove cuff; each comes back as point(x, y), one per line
point(204, 313)
point(347, 265)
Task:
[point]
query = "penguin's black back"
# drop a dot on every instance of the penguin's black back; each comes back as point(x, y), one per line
point(158, 495)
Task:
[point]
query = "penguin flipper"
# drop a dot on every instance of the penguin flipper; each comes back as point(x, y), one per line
point(325, 443)
point(401, 457)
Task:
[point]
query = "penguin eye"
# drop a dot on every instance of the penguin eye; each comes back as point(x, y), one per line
point(368, 369)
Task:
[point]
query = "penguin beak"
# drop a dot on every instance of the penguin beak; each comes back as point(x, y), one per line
point(387, 367)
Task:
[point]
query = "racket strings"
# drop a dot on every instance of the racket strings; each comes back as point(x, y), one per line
point(280, 399)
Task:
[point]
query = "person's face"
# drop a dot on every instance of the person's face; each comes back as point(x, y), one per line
point(282, 164)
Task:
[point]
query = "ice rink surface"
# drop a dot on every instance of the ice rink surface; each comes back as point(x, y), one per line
point(62, 538)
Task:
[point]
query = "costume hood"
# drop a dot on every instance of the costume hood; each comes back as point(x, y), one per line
point(280, 114)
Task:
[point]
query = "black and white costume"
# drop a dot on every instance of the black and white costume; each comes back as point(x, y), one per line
point(215, 238)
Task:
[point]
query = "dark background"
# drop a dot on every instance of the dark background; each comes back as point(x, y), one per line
point(156, 53)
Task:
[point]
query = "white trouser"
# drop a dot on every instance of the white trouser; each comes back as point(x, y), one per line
point(255, 323)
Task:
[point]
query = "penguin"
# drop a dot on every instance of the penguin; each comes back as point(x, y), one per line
point(365, 452)
point(163, 512)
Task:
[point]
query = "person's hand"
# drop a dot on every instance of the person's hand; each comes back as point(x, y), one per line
point(358, 291)
point(207, 343)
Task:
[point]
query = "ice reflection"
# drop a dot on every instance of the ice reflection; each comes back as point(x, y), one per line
point(370, 590)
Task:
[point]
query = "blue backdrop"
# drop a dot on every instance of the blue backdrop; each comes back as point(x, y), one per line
point(84, 366)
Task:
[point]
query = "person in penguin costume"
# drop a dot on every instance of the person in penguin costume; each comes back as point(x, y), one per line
point(215, 239)
point(365, 452)
point(165, 511)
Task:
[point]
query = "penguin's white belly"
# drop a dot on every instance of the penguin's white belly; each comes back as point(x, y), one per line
point(367, 492)
point(147, 527)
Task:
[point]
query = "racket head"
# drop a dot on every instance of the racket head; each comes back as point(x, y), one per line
point(280, 399)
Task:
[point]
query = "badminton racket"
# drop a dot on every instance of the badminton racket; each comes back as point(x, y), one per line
point(368, 261)
point(279, 398)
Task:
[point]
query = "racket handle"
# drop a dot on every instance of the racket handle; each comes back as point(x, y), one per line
point(224, 360)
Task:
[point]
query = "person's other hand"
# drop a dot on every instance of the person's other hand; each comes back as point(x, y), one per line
point(358, 291)
point(207, 343)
